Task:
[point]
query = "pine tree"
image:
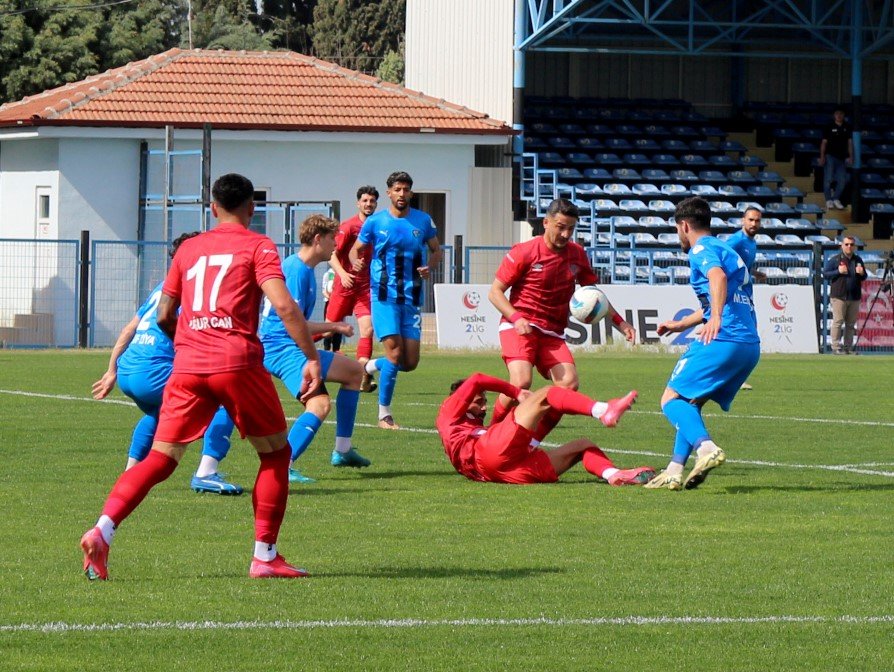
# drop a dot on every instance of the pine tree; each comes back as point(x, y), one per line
point(358, 33)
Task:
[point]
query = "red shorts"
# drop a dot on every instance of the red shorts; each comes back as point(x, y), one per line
point(504, 454)
point(345, 302)
point(191, 400)
point(541, 350)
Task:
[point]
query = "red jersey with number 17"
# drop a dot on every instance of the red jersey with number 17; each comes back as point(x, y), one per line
point(217, 278)
point(345, 238)
point(542, 280)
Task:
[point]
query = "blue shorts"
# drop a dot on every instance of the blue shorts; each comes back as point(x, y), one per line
point(715, 371)
point(146, 387)
point(287, 364)
point(392, 319)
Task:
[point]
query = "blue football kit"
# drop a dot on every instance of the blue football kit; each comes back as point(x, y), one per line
point(143, 370)
point(285, 360)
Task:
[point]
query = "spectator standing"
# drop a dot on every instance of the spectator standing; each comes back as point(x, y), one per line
point(836, 154)
point(845, 273)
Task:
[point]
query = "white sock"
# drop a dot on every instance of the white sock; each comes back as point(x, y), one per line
point(265, 551)
point(599, 408)
point(106, 528)
point(706, 448)
point(384, 411)
point(370, 367)
point(343, 444)
point(608, 473)
point(131, 462)
point(207, 466)
point(674, 469)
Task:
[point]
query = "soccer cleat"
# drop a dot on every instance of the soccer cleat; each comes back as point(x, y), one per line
point(350, 459)
point(702, 466)
point(617, 408)
point(96, 555)
point(216, 484)
point(635, 476)
point(388, 423)
point(368, 384)
point(296, 476)
point(277, 568)
point(665, 480)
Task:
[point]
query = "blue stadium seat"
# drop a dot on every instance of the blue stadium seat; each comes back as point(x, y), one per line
point(646, 189)
point(534, 144)
point(666, 160)
point(617, 144)
point(636, 160)
point(781, 209)
point(569, 174)
point(675, 146)
point(749, 161)
point(661, 206)
point(655, 175)
point(589, 143)
point(646, 145)
point(731, 190)
point(674, 189)
point(733, 146)
point(741, 177)
point(808, 209)
point(652, 221)
point(723, 161)
point(626, 174)
point(693, 161)
point(656, 132)
point(617, 189)
point(571, 129)
point(760, 190)
point(799, 223)
point(580, 159)
point(703, 190)
point(551, 159)
point(790, 239)
point(683, 176)
point(561, 142)
point(597, 174)
point(702, 146)
point(607, 159)
point(712, 177)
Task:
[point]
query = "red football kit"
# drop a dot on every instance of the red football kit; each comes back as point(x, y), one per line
point(218, 359)
point(500, 453)
point(344, 301)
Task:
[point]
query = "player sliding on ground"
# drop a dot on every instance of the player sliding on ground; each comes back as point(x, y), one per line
point(507, 452)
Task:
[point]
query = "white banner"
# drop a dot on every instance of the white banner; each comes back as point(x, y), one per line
point(785, 316)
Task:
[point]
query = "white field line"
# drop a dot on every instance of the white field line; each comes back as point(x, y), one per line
point(416, 623)
point(856, 469)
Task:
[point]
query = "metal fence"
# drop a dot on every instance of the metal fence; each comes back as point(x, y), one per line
point(39, 293)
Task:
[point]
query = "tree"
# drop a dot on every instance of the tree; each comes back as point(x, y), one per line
point(139, 30)
point(358, 33)
point(288, 23)
point(229, 32)
point(391, 69)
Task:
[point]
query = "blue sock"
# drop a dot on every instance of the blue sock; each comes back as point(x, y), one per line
point(687, 419)
point(216, 443)
point(141, 441)
point(387, 381)
point(346, 412)
point(303, 432)
point(682, 449)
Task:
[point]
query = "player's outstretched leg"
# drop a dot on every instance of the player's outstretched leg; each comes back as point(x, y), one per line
point(96, 555)
point(617, 408)
point(635, 476)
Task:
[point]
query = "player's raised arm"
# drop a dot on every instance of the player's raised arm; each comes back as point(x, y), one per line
point(621, 324)
point(497, 296)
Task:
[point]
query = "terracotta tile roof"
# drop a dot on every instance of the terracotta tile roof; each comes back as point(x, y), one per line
point(244, 90)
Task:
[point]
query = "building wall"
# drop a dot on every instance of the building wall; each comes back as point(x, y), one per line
point(461, 51)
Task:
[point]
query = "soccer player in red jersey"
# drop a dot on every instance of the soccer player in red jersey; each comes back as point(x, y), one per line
point(506, 452)
point(218, 279)
point(350, 291)
point(541, 275)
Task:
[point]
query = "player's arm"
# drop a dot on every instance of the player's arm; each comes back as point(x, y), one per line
point(434, 258)
point(347, 280)
point(296, 326)
point(676, 326)
point(621, 324)
point(458, 403)
point(497, 296)
point(167, 314)
point(343, 328)
point(717, 286)
point(356, 255)
point(106, 384)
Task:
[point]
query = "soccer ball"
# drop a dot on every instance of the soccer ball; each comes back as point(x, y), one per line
point(588, 304)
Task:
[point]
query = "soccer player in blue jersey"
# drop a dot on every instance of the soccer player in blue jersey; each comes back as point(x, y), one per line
point(285, 360)
point(726, 351)
point(400, 236)
point(141, 363)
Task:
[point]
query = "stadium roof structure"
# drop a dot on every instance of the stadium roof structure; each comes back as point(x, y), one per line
point(238, 90)
point(852, 29)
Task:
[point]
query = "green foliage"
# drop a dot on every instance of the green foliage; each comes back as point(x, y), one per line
point(227, 31)
point(288, 23)
point(796, 524)
point(391, 69)
point(357, 34)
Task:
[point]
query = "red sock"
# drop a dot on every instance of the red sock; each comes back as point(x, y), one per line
point(547, 423)
point(596, 462)
point(569, 401)
point(365, 347)
point(500, 412)
point(134, 484)
point(270, 494)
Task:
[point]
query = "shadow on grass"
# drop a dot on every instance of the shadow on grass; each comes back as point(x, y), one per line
point(500, 574)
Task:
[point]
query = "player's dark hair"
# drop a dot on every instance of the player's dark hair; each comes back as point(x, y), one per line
point(454, 386)
point(315, 224)
point(180, 239)
point(232, 190)
point(562, 206)
point(696, 211)
point(368, 189)
point(399, 176)
point(750, 208)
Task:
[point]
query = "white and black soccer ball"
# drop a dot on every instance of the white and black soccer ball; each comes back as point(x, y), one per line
point(588, 304)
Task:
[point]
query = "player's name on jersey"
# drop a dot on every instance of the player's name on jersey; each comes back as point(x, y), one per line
point(213, 322)
point(143, 339)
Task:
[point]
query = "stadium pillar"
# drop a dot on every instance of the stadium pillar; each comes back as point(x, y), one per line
point(457, 259)
point(83, 290)
point(518, 79)
point(206, 175)
point(857, 100)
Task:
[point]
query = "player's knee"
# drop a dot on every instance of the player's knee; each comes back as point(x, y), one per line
point(320, 405)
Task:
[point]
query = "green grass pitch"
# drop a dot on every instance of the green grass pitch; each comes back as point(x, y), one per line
point(782, 560)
